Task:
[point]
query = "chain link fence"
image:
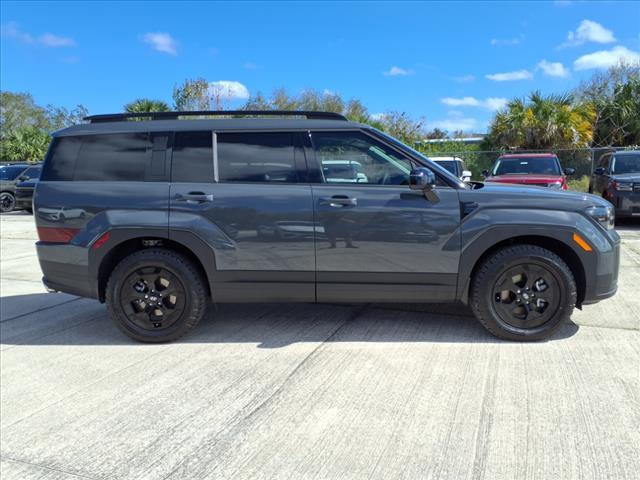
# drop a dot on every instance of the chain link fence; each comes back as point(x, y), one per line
point(582, 160)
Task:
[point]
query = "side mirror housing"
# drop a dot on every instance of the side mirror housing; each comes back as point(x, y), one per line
point(422, 178)
point(466, 176)
point(485, 173)
point(569, 171)
point(600, 171)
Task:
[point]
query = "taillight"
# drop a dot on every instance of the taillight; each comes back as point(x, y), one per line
point(56, 235)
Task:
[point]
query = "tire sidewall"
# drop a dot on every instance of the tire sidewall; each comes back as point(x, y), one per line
point(175, 264)
point(559, 271)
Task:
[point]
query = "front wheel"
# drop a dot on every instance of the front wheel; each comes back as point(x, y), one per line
point(523, 292)
point(156, 295)
point(7, 202)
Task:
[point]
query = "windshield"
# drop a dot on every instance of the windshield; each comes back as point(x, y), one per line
point(32, 172)
point(437, 168)
point(11, 172)
point(450, 165)
point(527, 165)
point(626, 164)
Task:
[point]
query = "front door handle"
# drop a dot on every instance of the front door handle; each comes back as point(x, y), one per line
point(194, 197)
point(339, 201)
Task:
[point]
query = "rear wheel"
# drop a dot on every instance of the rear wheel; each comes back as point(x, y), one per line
point(156, 295)
point(7, 202)
point(523, 292)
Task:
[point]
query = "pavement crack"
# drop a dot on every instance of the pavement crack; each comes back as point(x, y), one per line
point(45, 467)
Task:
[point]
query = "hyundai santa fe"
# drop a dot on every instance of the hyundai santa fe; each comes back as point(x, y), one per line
point(161, 217)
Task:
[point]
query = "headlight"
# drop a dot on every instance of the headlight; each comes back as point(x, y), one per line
point(622, 186)
point(604, 215)
point(555, 185)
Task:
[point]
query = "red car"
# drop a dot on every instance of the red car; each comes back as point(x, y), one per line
point(536, 169)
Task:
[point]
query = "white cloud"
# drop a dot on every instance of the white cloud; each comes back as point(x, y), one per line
point(328, 92)
point(228, 89)
point(606, 58)
point(397, 71)
point(455, 122)
point(510, 76)
point(464, 79)
point(11, 30)
point(506, 41)
point(553, 69)
point(589, 31)
point(162, 42)
point(490, 103)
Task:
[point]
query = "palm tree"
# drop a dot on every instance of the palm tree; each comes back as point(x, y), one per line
point(543, 122)
point(144, 105)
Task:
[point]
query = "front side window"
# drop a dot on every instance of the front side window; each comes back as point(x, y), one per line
point(10, 172)
point(353, 157)
point(256, 157)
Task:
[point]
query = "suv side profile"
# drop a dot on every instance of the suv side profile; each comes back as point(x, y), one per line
point(161, 217)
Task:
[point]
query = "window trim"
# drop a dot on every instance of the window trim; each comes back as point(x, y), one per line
point(214, 150)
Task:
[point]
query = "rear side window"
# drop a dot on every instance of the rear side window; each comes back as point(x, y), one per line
point(119, 157)
point(192, 157)
point(256, 157)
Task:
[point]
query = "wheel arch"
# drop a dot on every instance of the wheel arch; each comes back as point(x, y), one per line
point(124, 243)
point(473, 257)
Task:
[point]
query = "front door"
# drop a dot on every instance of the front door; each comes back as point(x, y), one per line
point(377, 240)
point(242, 194)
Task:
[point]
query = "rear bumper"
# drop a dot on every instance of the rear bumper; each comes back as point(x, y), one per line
point(66, 269)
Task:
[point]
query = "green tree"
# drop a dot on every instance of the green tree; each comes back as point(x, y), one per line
point(19, 110)
point(614, 99)
point(192, 95)
point(143, 105)
point(26, 143)
point(542, 122)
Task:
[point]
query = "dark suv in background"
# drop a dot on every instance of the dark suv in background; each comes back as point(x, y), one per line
point(159, 218)
point(9, 173)
point(617, 178)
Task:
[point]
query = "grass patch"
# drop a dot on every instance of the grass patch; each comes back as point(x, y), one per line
point(579, 184)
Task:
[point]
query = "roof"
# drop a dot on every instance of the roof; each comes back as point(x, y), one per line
point(220, 124)
point(440, 159)
point(528, 155)
point(627, 152)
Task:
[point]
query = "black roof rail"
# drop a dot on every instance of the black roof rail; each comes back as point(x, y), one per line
point(118, 117)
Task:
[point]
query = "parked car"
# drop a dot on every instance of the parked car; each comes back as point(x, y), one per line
point(9, 173)
point(25, 187)
point(154, 200)
point(535, 169)
point(617, 178)
point(455, 165)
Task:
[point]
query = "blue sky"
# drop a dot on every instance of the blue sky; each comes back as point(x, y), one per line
point(452, 63)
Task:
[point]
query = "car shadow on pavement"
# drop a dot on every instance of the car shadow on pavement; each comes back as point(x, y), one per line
point(266, 325)
point(628, 224)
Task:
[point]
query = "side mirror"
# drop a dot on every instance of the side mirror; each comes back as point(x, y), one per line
point(22, 178)
point(569, 171)
point(485, 173)
point(600, 171)
point(422, 178)
point(466, 176)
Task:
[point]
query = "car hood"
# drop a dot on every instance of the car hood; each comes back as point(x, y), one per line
point(627, 177)
point(526, 178)
point(512, 196)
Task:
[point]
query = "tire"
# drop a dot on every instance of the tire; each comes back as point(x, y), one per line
point(162, 276)
point(523, 293)
point(7, 202)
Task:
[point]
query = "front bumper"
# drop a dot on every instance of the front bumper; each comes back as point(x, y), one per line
point(604, 280)
point(627, 204)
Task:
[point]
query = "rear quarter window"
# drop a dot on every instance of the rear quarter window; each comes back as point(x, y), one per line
point(110, 157)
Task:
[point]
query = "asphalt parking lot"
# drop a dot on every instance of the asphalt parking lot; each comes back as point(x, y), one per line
point(312, 391)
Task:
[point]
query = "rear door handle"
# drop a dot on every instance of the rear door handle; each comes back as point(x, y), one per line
point(339, 201)
point(194, 197)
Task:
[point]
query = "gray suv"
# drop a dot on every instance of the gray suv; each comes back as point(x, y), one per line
point(159, 218)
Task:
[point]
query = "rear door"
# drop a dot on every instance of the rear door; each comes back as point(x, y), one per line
point(377, 240)
point(243, 193)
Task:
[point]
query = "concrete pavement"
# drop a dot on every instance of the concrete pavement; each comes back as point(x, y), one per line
point(312, 391)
